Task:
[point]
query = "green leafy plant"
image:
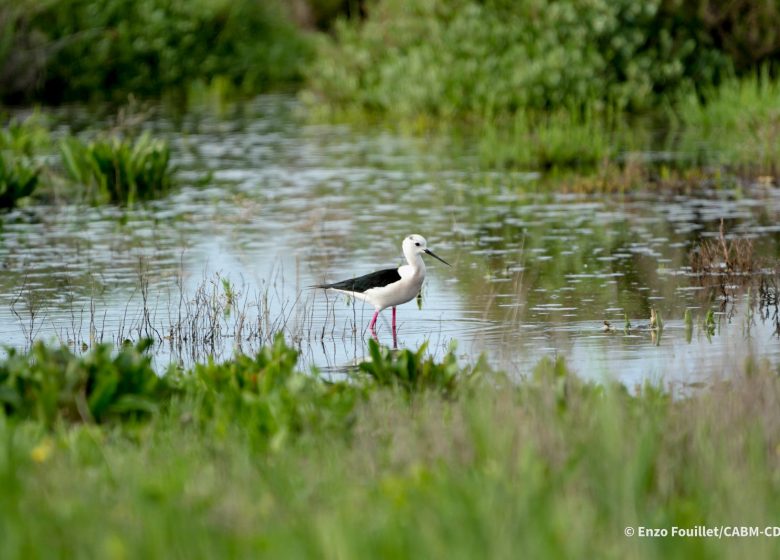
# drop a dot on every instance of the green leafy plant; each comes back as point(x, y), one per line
point(268, 395)
point(119, 170)
point(49, 384)
point(29, 137)
point(413, 372)
point(18, 178)
point(21, 141)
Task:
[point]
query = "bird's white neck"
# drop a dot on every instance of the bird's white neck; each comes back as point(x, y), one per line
point(414, 259)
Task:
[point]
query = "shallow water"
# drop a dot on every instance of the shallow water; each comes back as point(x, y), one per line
point(272, 205)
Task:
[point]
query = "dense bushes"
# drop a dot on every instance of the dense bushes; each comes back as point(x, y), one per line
point(409, 57)
point(498, 57)
point(81, 49)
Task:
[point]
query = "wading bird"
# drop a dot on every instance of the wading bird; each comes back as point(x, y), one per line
point(392, 286)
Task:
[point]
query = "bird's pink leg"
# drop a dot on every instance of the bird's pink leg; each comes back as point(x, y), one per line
point(395, 339)
point(372, 323)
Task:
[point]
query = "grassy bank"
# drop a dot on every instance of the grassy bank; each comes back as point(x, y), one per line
point(406, 459)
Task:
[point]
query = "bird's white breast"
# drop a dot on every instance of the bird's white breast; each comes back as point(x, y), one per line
point(405, 289)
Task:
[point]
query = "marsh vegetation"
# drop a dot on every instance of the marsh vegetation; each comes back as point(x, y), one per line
point(255, 457)
point(603, 354)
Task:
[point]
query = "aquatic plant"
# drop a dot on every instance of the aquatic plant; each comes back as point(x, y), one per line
point(413, 372)
point(709, 323)
point(49, 384)
point(18, 179)
point(556, 140)
point(29, 137)
point(21, 142)
point(688, 322)
point(119, 170)
point(722, 256)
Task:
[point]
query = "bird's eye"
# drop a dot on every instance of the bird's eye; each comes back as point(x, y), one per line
point(417, 244)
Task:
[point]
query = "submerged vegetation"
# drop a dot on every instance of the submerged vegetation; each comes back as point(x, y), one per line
point(253, 457)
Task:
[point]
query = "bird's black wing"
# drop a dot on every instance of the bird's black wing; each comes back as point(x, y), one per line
point(362, 283)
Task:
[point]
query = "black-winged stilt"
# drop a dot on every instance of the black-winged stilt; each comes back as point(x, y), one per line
point(392, 286)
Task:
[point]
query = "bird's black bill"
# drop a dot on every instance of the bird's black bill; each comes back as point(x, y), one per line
point(429, 252)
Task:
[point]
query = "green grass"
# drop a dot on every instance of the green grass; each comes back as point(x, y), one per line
point(549, 465)
point(737, 124)
point(553, 141)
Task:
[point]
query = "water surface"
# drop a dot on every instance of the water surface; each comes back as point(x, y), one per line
point(270, 205)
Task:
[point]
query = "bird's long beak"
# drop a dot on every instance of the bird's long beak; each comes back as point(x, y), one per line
point(429, 252)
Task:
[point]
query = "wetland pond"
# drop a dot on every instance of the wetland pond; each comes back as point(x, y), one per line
point(269, 205)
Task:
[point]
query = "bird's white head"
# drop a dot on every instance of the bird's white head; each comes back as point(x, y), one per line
point(415, 245)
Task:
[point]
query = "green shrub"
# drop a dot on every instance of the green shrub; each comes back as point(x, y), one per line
point(496, 57)
point(56, 50)
point(119, 170)
point(742, 31)
point(48, 384)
